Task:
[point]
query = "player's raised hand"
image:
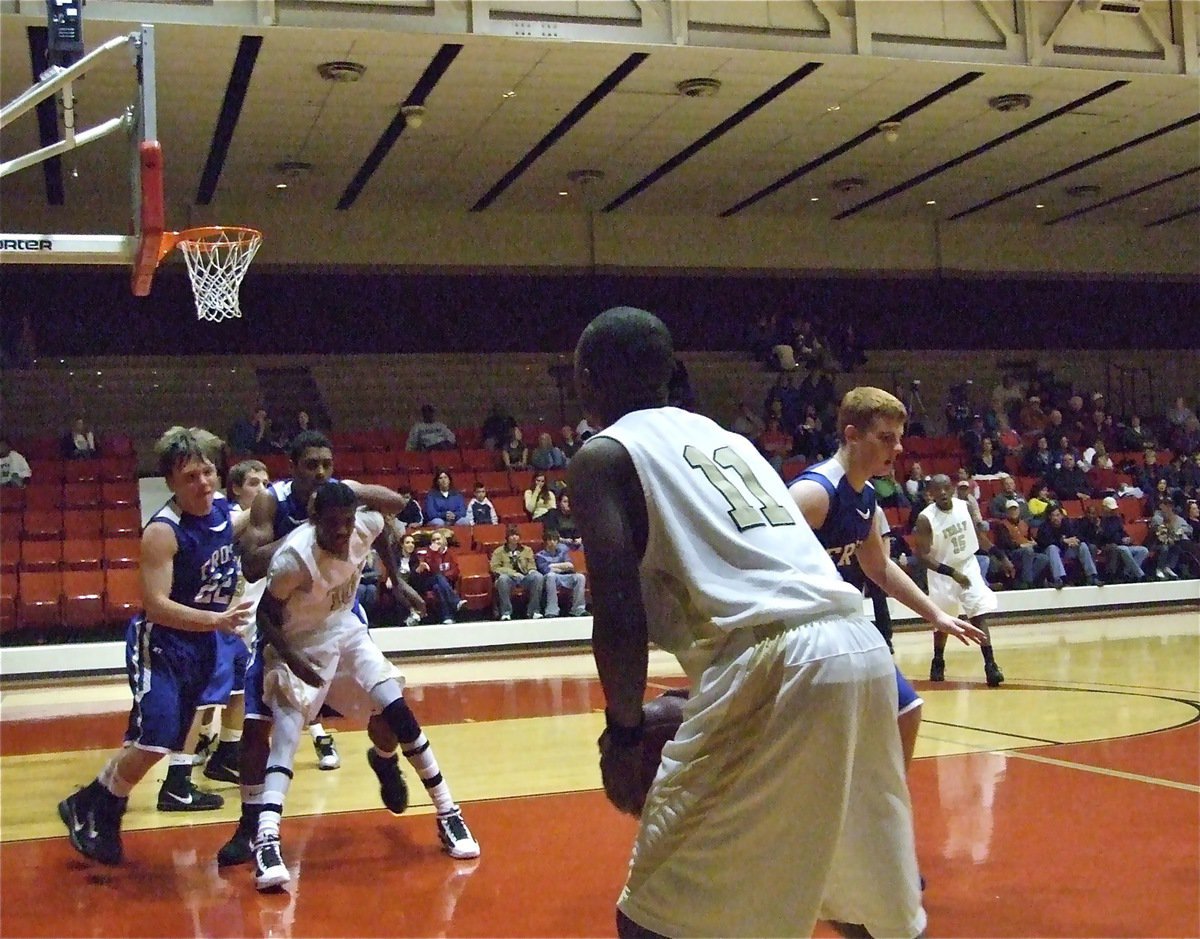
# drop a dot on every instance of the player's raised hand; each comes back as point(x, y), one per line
point(234, 619)
point(960, 629)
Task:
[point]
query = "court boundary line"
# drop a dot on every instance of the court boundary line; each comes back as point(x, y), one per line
point(1099, 770)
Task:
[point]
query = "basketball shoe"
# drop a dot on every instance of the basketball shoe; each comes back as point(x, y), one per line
point(180, 794)
point(239, 849)
point(937, 670)
point(995, 677)
point(223, 765)
point(93, 820)
point(393, 790)
point(455, 835)
point(327, 755)
point(269, 870)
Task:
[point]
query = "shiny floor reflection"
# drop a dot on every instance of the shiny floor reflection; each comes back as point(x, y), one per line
point(1066, 803)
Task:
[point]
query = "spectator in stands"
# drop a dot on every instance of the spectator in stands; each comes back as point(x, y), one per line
point(445, 505)
point(775, 443)
point(1059, 447)
point(1038, 460)
point(514, 453)
point(1074, 420)
point(440, 575)
point(496, 426)
point(1193, 519)
point(1032, 420)
point(1189, 475)
point(888, 491)
point(1057, 538)
point(513, 565)
point(987, 463)
point(1096, 457)
point(1134, 436)
point(584, 429)
point(1170, 531)
point(1069, 481)
point(1007, 398)
point(78, 443)
point(914, 484)
point(1040, 501)
point(555, 565)
point(1012, 536)
point(1122, 558)
point(546, 456)
point(968, 491)
point(998, 507)
point(562, 521)
point(811, 440)
point(251, 434)
point(1186, 438)
point(429, 434)
point(747, 423)
point(963, 475)
point(539, 498)
point(480, 509)
point(411, 514)
point(1178, 414)
point(571, 443)
point(14, 468)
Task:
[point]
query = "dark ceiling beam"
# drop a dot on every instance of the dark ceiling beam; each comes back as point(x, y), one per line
point(1075, 167)
point(982, 149)
point(1125, 195)
point(433, 73)
point(713, 135)
point(231, 110)
point(1173, 217)
point(948, 89)
point(593, 98)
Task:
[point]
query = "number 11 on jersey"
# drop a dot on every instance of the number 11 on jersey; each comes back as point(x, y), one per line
point(742, 513)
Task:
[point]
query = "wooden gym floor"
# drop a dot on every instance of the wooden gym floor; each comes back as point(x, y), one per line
point(1066, 803)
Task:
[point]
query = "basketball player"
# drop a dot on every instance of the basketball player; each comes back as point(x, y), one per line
point(838, 502)
point(316, 646)
point(277, 511)
point(946, 539)
point(189, 571)
point(781, 799)
point(225, 690)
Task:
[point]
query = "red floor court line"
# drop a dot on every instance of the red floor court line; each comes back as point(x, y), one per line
point(1010, 848)
point(1166, 754)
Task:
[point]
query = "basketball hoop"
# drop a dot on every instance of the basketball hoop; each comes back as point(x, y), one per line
point(217, 258)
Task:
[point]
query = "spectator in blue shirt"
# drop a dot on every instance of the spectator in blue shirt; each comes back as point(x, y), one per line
point(445, 505)
point(554, 563)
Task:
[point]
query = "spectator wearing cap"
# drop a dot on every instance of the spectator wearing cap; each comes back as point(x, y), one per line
point(1122, 558)
point(998, 507)
point(1012, 536)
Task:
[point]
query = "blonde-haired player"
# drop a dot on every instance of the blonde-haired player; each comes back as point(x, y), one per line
point(946, 539)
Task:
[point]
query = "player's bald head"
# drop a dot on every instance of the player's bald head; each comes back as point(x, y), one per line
point(623, 360)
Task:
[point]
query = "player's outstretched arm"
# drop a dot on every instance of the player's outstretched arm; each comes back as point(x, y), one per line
point(380, 498)
point(890, 576)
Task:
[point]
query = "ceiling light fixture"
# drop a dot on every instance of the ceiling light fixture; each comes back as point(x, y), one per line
point(815, 199)
point(1040, 205)
point(563, 192)
point(585, 177)
point(698, 87)
point(890, 131)
point(834, 107)
point(414, 114)
point(1083, 190)
point(848, 184)
point(508, 94)
point(931, 201)
point(341, 71)
point(1010, 102)
point(281, 185)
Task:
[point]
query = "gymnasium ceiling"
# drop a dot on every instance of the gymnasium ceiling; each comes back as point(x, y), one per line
point(513, 111)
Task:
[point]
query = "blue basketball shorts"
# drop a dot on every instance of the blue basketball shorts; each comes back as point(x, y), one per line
point(229, 676)
point(169, 670)
point(909, 698)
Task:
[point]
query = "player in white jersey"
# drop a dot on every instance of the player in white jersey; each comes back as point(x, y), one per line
point(946, 538)
point(317, 649)
point(786, 773)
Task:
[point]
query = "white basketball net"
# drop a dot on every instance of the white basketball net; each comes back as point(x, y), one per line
point(217, 259)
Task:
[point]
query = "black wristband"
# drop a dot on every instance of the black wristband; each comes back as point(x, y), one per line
point(624, 736)
point(945, 569)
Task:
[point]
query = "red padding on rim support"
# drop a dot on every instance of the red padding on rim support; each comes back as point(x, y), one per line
point(152, 212)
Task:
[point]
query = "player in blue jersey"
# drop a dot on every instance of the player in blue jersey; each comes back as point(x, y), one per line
point(276, 512)
point(838, 501)
point(189, 572)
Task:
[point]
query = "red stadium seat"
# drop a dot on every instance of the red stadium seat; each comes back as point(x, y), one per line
point(41, 555)
point(42, 524)
point(39, 600)
point(477, 460)
point(43, 497)
point(498, 483)
point(82, 523)
point(83, 599)
point(12, 499)
point(8, 600)
point(81, 495)
point(487, 538)
point(113, 468)
point(122, 594)
point(81, 471)
point(118, 493)
point(121, 551)
point(122, 521)
point(475, 580)
point(82, 554)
